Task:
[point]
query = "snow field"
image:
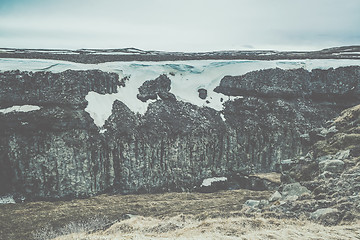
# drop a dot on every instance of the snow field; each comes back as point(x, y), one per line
point(186, 78)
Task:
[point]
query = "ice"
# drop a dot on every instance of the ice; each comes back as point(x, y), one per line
point(23, 108)
point(208, 181)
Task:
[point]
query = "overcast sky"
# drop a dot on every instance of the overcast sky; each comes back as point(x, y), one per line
point(180, 25)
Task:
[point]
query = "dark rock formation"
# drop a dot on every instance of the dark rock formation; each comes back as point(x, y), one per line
point(262, 131)
point(202, 93)
point(58, 152)
point(172, 147)
point(46, 88)
point(334, 85)
point(151, 89)
point(326, 179)
point(55, 151)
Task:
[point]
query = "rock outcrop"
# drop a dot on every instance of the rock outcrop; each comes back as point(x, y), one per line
point(326, 179)
point(332, 85)
point(202, 93)
point(46, 88)
point(58, 152)
point(153, 89)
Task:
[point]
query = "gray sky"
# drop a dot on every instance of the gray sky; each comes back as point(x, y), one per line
point(186, 25)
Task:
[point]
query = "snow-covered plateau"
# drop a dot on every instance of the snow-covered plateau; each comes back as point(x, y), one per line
point(187, 77)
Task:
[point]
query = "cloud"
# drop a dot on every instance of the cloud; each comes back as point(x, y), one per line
point(187, 25)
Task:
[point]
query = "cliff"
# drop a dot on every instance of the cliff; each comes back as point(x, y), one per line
point(57, 151)
point(323, 185)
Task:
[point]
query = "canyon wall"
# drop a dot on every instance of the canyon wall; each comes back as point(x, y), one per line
point(58, 151)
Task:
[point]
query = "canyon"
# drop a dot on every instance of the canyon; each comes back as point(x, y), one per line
point(71, 130)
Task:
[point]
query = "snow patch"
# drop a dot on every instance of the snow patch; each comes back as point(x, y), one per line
point(102, 130)
point(99, 106)
point(222, 117)
point(23, 108)
point(7, 199)
point(346, 53)
point(208, 181)
point(241, 66)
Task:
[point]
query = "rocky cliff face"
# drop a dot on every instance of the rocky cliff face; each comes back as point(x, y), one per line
point(333, 85)
point(46, 88)
point(54, 151)
point(322, 185)
point(58, 151)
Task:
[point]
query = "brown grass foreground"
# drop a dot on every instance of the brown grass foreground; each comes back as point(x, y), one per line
point(245, 228)
point(23, 220)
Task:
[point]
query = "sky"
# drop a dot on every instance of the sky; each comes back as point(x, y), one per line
point(174, 25)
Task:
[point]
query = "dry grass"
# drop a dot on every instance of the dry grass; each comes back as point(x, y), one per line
point(348, 136)
point(187, 227)
point(338, 142)
point(347, 115)
point(22, 221)
point(272, 176)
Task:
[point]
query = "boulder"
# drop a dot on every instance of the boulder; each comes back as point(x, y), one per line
point(263, 203)
point(294, 190)
point(333, 166)
point(202, 93)
point(328, 216)
point(252, 203)
point(275, 197)
point(321, 212)
point(152, 88)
